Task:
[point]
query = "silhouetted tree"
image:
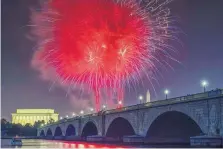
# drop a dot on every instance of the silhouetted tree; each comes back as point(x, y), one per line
point(51, 121)
point(37, 124)
point(9, 129)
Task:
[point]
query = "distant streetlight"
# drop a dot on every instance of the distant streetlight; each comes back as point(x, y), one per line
point(104, 106)
point(204, 83)
point(166, 92)
point(120, 102)
point(91, 109)
point(140, 98)
point(73, 114)
point(67, 116)
point(61, 117)
point(81, 112)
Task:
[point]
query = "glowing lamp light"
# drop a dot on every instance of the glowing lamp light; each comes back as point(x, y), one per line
point(140, 97)
point(67, 116)
point(204, 84)
point(166, 92)
point(73, 114)
point(61, 117)
point(120, 102)
point(91, 109)
point(81, 112)
point(104, 106)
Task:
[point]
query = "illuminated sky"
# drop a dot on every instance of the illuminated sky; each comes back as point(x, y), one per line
point(201, 58)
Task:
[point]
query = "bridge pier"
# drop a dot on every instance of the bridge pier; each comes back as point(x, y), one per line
point(49, 137)
point(59, 138)
point(73, 138)
point(206, 141)
point(134, 139)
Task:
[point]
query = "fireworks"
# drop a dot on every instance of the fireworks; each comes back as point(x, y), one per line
point(103, 44)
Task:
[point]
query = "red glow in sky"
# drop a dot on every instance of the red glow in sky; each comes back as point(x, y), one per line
point(96, 42)
point(101, 44)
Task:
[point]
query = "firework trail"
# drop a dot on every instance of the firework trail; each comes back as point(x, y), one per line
point(104, 44)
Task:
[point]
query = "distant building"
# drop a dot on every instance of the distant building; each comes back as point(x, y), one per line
point(24, 116)
point(147, 96)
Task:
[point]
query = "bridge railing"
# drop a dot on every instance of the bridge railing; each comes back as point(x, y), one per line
point(188, 97)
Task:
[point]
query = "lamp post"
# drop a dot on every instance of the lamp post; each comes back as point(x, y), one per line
point(91, 110)
point(204, 84)
point(120, 102)
point(166, 92)
point(104, 107)
point(140, 98)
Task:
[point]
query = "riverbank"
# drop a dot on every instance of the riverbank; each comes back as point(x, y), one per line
point(21, 137)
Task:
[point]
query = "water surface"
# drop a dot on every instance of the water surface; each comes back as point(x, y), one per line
point(36, 143)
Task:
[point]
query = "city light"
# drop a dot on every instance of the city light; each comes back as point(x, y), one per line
point(204, 84)
point(73, 114)
point(140, 98)
point(166, 92)
point(67, 116)
point(120, 102)
point(81, 112)
point(104, 106)
point(91, 109)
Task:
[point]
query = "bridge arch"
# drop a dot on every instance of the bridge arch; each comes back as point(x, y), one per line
point(70, 131)
point(58, 131)
point(173, 125)
point(120, 127)
point(42, 133)
point(49, 132)
point(89, 129)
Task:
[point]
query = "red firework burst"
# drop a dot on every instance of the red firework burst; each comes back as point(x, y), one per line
point(99, 43)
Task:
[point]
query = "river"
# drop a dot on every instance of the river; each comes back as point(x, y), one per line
point(36, 143)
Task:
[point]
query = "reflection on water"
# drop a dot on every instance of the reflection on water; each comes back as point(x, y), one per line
point(33, 143)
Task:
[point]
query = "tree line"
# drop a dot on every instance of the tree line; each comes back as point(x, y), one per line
point(9, 129)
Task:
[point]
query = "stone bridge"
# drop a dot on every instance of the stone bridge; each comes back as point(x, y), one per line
point(178, 118)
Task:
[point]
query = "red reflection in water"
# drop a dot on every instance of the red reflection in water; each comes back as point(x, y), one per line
point(82, 145)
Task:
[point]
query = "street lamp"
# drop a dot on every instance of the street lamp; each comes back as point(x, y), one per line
point(74, 114)
point(67, 116)
point(166, 92)
point(204, 84)
point(91, 109)
point(140, 98)
point(81, 112)
point(61, 118)
point(120, 102)
point(104, 106)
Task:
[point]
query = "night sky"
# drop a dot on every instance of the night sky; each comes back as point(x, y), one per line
point(201, 57)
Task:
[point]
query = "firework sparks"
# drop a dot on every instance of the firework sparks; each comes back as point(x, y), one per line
point(103, 44)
